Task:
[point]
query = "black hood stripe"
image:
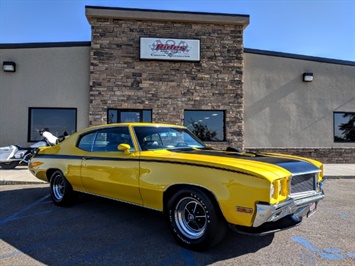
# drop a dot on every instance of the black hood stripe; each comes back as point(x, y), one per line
point(292, 165)
point(237, 155)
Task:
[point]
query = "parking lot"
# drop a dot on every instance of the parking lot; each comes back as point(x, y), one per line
point(97, 231)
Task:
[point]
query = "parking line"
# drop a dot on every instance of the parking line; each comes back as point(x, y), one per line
point(15, 215)
point(343, 215)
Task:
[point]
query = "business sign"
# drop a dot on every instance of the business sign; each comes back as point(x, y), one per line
point(169, 49)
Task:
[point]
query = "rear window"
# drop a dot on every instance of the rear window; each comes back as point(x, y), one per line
point(86, 141)
point(106, 140)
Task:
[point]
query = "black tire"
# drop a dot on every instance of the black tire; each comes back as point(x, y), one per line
point(61, 190)
point(194, 220)
point(10, 165)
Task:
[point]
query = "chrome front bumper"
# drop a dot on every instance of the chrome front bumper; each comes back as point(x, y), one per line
point(298, 207)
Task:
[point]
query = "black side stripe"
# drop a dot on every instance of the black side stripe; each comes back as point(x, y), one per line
point(75, 157)
point(199, 165)
point(55, 156)
point(72, 157)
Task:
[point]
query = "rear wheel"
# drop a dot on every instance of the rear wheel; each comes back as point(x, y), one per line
point(61, 190)
point(194, 220)
point(10, 165)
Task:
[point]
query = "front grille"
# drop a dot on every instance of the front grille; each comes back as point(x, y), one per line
point(303, 183)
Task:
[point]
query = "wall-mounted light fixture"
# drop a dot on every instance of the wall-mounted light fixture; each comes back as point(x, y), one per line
point(307, 77)
point(9, 66)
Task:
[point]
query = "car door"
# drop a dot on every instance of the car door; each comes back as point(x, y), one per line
point(105, 170)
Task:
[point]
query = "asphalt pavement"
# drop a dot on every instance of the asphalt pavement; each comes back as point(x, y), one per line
point(21, 175)
point(97, 231)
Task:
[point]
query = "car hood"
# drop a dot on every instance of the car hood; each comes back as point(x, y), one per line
point(269, 165)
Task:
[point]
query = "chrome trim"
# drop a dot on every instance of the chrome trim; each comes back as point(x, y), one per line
point(304, 194)
point(296, 206)
point(306, 173)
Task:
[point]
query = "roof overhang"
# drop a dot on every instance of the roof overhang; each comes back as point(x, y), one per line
point(160, 15)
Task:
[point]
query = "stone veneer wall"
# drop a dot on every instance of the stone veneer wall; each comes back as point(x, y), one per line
point(118, 79)
point(324, 155)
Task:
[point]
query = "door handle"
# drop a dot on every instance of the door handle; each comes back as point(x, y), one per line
point(86, 158)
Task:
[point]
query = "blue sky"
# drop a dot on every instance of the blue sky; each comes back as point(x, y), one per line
point(324, 28)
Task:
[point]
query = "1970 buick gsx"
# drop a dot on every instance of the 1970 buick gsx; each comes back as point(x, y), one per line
point(201, 191)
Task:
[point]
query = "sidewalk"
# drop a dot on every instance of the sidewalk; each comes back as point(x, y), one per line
point(339, 171)
point(21, 175)
point(18, 175)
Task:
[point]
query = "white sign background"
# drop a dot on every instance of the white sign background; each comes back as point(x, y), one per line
point(170, 49)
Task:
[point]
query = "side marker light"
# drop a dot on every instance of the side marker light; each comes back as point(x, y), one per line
point(244, 210)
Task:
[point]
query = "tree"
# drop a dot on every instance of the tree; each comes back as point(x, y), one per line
point(202, 131)
point(348, 128)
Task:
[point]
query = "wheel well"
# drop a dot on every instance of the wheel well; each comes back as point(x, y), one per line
point(50, 172)
point(173, 189)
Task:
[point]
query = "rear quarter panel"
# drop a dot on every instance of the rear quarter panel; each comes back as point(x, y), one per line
point(64, 157)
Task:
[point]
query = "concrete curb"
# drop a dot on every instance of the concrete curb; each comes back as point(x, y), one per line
point(339, 177)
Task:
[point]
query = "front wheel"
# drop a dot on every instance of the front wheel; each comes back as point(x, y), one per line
point(194, 220)
point(61, 190)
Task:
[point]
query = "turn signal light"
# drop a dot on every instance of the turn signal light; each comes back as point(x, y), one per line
point(244, 210)
point(34, 164)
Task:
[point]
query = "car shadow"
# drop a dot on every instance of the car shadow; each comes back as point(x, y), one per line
point(98, 231)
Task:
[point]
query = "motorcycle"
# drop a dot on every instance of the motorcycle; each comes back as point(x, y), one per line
point(13, 155)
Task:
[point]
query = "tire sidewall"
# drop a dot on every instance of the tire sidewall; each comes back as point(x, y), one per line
point(67, 189)
point(204, 241)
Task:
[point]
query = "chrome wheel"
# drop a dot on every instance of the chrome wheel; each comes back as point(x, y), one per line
point(194, 218)
point(191, 218)
point(61, 190)
point(58, 187)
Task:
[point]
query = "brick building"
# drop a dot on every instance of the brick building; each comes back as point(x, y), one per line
point(120, 80)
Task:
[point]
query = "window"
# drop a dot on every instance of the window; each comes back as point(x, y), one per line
point(206, 125)
point(344, 127)
point(106, 140)
point(86, 141)
point(152, 138)
point(124, 115)
point(56, 120)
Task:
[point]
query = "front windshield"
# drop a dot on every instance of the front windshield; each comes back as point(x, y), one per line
point(154, 138)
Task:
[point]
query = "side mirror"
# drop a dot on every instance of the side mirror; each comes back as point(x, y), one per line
point(125, 148)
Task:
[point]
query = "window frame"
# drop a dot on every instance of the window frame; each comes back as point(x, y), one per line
point(334, 125)
point(140, 136)
point(223, 121)
point(106, 130)
point(120, 110)
point(84, 135)
point(29, 129)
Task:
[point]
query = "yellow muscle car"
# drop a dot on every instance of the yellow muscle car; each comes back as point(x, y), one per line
point(200, 190)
